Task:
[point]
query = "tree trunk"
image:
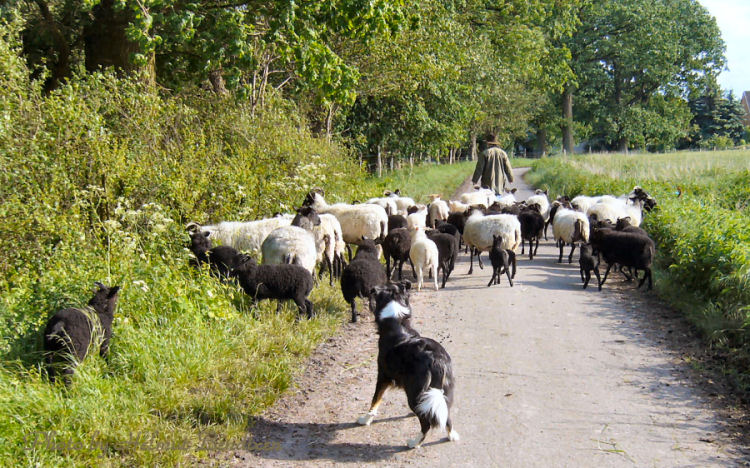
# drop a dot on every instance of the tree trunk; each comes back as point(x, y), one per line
point(380, 163)
point(568, 143)
point(473, 145)
point(217, 82)
point(541, 140)
point(106, 43)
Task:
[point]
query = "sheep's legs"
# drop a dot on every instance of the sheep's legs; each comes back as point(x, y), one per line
point(596, 272)
point(511, 260)
point(646, 273)
point(572, 249)
point(471, 261)
point(349, 251)
point(609, 266)
point(561, 244)
point(586, 279)
point(388, 271)
point(434, 271)
point(536, 249)
point(354, 310)
point(479, 259)
point(523, 242)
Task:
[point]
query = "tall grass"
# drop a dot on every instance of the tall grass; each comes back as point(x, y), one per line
point(702, 229)
point(97, 181)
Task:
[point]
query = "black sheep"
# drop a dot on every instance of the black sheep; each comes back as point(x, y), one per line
point(626, 249)
point(282, 282)
point(68, 333)
point(396, 222)
point(222, 259)
point(396, 246)
point(501, 260)
point(362, 274)
point(459, 221)
point(447, 245)
point(532, 226)
point(587, 263)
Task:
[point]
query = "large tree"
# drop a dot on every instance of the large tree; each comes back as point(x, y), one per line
point(636, 61)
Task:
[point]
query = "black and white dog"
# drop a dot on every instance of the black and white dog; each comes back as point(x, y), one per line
point(419, 365)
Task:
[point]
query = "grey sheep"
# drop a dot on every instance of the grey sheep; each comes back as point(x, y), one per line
point(626, 249)
point(447, 245)
point(501, 260)
point(587, 263)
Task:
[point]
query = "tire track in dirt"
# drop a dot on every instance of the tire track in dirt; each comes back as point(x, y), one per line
point(547, 375)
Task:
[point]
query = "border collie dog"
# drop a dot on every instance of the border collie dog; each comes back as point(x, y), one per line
point(419, 365)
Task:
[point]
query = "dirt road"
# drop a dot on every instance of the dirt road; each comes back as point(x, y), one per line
point(547, 375)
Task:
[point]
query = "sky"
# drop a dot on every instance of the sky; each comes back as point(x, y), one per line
point(733, 18)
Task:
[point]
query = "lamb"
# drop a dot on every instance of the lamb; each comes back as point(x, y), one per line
point(69, 332)
point(281, 282)
point(501, 259)
point(532, 225)
point(221, 259)
point(587, 262)
point(540, 198)
point(626, 249)
point(244, 236)
point(423, 255)
point(396, 221)
point(357, 221)
point(402, 203)
point(293, 244)
point(396, 246)
point(570, 227)
point(362, 274)
point(480, 229)
point(437, 210)
point(447, 245)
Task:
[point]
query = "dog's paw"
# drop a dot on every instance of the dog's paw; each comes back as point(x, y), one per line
point(366, 419)
point(416, 442)
point(453, 436)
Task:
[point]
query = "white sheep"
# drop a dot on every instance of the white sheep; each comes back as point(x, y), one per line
point(245, 236)
point(570, 226)
point(330, 244)
point(290, 244)
point(540, 198)
point(357, 221)
point(506, 199)
point(480, 229)
point(612, 209)
point(437, 210)
point(402, 203)
point(424, 256)
point(483, 197)
point(417, 218)
point(387, 203)
point(455, 206)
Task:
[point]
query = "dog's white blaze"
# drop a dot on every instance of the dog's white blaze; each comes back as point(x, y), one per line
point(394, 310)
point(453, 436)
point(432, 402)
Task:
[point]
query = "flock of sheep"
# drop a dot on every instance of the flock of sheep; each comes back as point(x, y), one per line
point(395, 227)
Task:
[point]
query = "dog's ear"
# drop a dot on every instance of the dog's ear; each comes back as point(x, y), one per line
point(404, 285)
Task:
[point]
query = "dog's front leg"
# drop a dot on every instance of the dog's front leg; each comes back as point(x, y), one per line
point(380, 389)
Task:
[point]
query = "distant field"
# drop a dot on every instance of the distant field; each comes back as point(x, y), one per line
point(702, 228)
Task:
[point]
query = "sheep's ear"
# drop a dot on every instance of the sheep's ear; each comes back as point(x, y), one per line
point(206, 234)
point(99, 285)
point(404, 285)
point(514, 190)
point(113, 291)
point(397, 191)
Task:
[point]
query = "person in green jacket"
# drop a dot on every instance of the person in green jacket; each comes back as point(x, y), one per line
point(493, 167)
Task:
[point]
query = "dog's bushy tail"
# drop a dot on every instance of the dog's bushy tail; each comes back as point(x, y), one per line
point(432, 403)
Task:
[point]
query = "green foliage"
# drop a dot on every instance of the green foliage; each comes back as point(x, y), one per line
point(703, 236)
point(717, 121)
point(635, 62)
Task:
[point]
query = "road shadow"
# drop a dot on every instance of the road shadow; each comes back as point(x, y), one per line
point(311, 441)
